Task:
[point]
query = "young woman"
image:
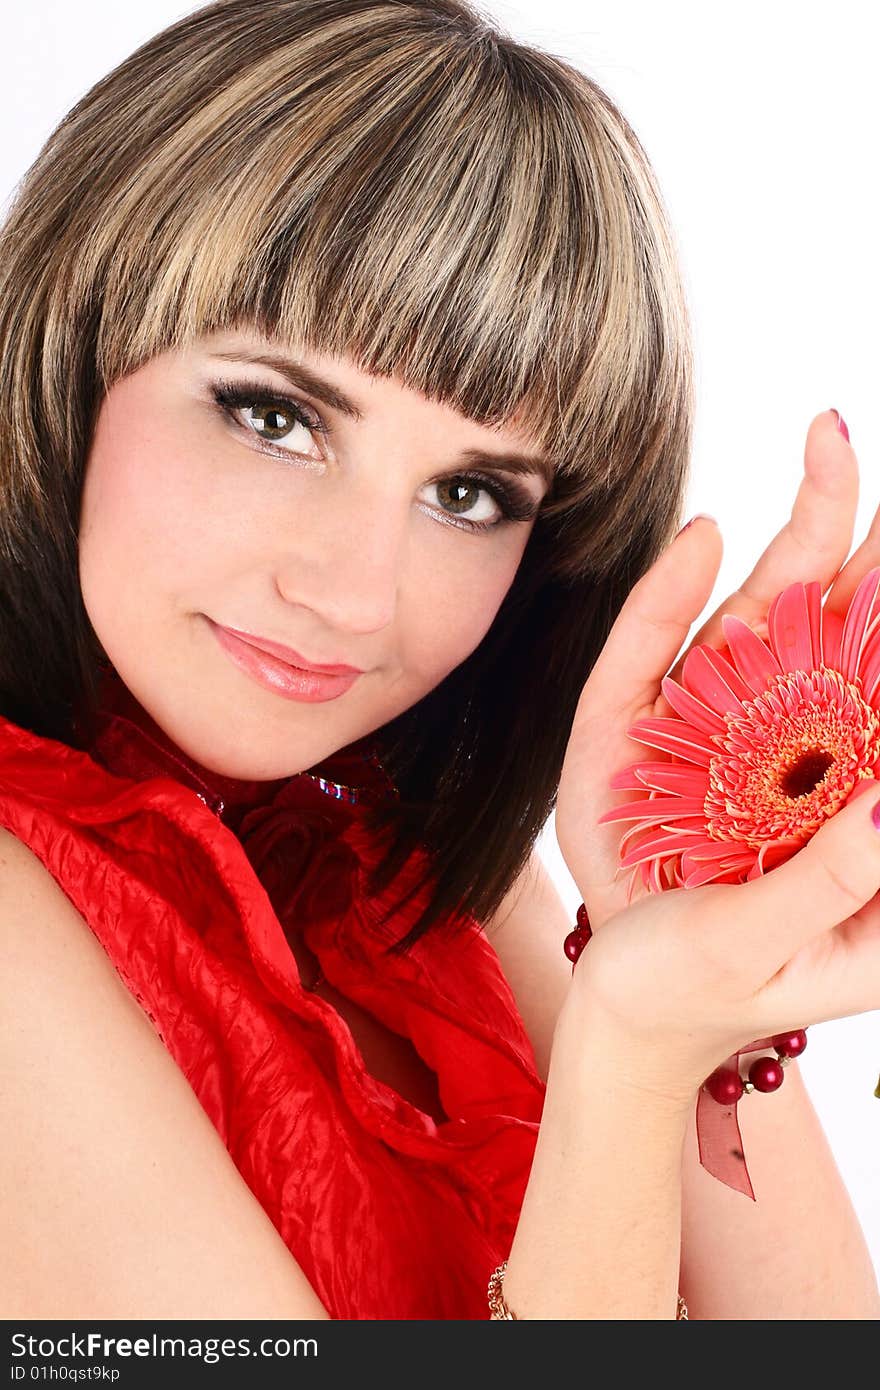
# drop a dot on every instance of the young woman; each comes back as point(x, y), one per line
point(350, 333)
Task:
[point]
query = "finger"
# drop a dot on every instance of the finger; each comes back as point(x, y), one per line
point(836, 975)
point(831, 877)
point(864, 558)
point(813, 544)
point(622, 686)
point(651, 625)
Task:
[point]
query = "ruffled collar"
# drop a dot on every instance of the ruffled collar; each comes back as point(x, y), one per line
point(291, 829)
point(129, 743)
point(304, 843)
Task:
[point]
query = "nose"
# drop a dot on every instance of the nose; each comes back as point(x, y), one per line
point(347, 567)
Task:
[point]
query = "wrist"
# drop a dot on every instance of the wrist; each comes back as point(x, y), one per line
point(590, 1046)
point(674, 1061)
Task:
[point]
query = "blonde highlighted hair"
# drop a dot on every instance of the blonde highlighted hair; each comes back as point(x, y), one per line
point(401, 182)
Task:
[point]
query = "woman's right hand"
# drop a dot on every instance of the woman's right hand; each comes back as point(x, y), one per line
point(684, 978)
point(701, 972)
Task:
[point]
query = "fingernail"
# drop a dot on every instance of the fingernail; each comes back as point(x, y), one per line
point(700, 516)
point(875, 815)
point(841, 424)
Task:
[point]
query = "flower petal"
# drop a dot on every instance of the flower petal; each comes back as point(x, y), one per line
point(689, 832)
point(628, 779)
point(813, 592)
point(694, 827)
point(753, 658)
point(681, 778)
point(869, 670)
point(674, 736)
point(863, 609)
point(719, 870)
point(711, 873)
point(702, 683)
point(652, 809)
point(714, 851)
point(720, 686)
point(788, 626)
point(774, 852)
point(692, 709)
point(655, 883)
point(832, 633)
point(656, 845)
point(717, 873)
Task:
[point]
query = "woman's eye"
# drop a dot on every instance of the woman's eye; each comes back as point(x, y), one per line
point(469, 499)
point(274, 420)
point(274, 425)
point(282, 427)
point(504, 501)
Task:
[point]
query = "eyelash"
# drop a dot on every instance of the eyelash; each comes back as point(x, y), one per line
point(516, 503)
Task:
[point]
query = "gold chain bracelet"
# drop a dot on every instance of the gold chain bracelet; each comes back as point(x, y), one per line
point(498, 1307)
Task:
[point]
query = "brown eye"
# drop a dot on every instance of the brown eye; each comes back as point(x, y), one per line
point(461, 496)
point(274, 417)
point(460, 504)
point(279, 416)
point(275, 421)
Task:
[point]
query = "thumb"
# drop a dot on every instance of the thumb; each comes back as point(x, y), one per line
point(833, 875)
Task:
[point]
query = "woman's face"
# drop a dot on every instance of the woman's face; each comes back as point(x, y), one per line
point(348, 543)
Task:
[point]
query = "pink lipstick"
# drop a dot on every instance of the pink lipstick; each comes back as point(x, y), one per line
point(273, 666)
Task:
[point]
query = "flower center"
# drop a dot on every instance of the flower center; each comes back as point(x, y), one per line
point(806, 773)
point(790, 758)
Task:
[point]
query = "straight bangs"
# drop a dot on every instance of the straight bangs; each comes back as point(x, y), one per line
point(471, 217)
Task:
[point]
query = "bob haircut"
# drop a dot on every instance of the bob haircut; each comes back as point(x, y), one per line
point(400, 182)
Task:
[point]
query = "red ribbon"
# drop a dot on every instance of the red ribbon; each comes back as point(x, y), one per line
point(718, 1134)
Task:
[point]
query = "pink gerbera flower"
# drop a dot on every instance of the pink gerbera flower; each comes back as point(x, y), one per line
point(769, 738)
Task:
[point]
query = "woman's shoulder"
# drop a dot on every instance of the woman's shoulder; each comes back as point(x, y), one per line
point(111, 1146)
point(44, 942)
point(22, 875)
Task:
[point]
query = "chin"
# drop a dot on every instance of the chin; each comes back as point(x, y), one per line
point(241, 762)
point(250, 755)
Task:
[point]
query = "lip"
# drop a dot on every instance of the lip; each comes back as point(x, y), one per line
point(279, 676)
point(291, 657)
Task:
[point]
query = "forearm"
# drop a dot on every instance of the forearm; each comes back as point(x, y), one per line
point(798, 1251)
point(600, 1226)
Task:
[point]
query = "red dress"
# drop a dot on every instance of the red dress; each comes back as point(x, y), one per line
point(186, 878)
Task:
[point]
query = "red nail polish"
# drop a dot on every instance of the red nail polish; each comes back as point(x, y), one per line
point(841, 424)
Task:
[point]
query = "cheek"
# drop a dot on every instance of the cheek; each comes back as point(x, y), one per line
point(139, 520)
point(457, 604)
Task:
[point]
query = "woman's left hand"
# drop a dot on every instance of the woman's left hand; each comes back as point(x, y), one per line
point(813, 545)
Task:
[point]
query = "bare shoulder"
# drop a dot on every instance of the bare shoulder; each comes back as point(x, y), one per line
point(527, 933)
point(119, 1197)
point(38, 924)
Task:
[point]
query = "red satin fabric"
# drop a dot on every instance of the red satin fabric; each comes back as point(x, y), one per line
point(391, 1215)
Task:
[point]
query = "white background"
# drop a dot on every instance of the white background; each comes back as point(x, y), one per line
point(761, 121)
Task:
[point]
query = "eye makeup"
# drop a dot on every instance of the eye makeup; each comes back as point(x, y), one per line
point(515, 502)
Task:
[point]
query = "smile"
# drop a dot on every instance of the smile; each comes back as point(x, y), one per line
point(292, 683)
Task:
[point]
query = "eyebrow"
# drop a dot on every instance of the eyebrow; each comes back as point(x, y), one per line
point(305, 379)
